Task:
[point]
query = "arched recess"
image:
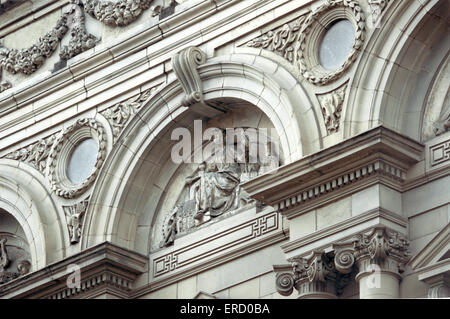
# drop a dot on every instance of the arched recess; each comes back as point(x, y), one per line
point(24, 196)
point(400, 59)
point(115, 213)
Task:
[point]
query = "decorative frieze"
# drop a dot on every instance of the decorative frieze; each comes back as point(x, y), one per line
point(35, 154)
point(115, 13)
point(232, 238)
point(440, 153)
point(376, 168)
point(74, 218)
point(185, 65)
point(331, 105)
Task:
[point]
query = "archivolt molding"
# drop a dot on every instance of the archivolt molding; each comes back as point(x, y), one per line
point(61, 150)
point(275, 96)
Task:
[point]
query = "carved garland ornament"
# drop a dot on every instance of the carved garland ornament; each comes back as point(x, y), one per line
point(55, 178)
point(120, 13)
point(29, 60)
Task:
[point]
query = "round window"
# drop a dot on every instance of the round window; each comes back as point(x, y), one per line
point(336, 44)
point(82, 161)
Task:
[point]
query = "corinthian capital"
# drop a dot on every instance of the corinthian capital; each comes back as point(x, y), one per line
point(380, 246)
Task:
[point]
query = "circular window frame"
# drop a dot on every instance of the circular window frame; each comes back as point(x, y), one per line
point(313, 32)
point(63, 148)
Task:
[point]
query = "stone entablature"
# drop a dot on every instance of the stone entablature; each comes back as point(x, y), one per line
point(105, 268)
point(377, 156)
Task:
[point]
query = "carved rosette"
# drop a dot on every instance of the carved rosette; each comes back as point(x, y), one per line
point(58, 156)
point(185, 65)
point(304, 63)
point(115, 13)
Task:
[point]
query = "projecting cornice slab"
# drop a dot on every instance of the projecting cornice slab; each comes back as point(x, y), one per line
point(380, 155)
point(104, 268)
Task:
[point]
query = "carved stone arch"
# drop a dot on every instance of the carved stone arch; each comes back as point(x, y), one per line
point(394, 73)
point(116, 212)
point(24, 196)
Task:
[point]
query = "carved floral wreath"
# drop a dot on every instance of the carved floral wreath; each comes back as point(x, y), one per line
point(56, 162)
point(303, 63)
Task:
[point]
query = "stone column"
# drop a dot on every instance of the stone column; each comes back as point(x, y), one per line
point(379, 256)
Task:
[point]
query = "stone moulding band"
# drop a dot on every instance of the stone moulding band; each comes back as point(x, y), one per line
point(58, 152)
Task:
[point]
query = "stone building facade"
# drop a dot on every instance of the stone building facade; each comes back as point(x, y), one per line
point(353, 203)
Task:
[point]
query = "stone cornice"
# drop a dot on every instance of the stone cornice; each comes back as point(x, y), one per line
point(104, 266)
point(378, 153)
point(324, 238)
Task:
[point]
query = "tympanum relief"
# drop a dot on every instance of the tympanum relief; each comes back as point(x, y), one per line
point(14, 260)
point(213, 190)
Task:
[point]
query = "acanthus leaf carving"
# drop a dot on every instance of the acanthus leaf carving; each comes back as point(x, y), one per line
point(80, 40)
point(281, 41)
point(35, 154)
point(119, 13)
point(185, 65)
point(74, 218)
point(331, 105)
point(119, 115)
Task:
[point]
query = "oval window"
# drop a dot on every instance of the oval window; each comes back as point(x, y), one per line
point(82, 161)
point(336, 44)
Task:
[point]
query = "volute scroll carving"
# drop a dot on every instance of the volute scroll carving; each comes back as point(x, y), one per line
point(185, 65)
